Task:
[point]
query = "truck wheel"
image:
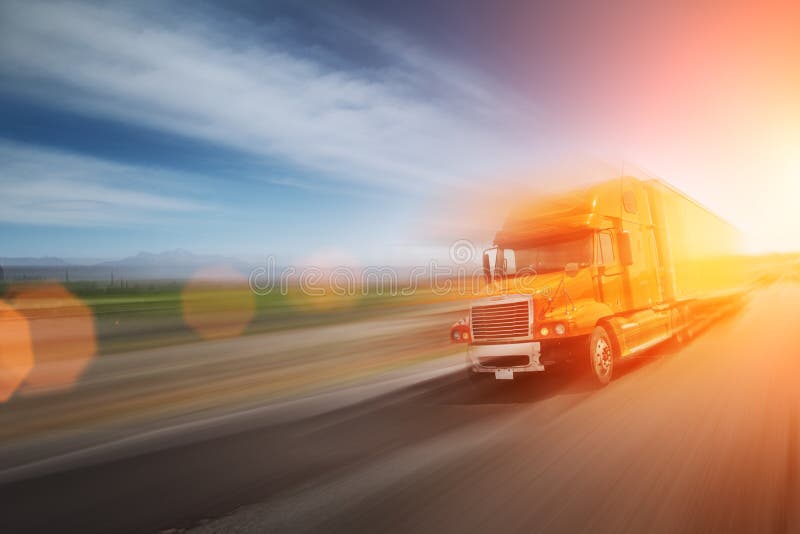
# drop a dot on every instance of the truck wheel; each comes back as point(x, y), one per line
point(689, 332)
point(601, 357)
point(680, 337)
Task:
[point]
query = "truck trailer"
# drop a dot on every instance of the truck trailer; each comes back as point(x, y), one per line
point(598, 275)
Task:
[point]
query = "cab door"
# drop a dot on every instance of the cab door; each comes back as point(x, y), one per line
point(609, 271)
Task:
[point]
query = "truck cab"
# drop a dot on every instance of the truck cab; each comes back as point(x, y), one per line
point(588, 276)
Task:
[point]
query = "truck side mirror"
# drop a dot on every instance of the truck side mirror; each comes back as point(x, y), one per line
point(487, 269)
point(571, 269)
point(499, 263)
point(625, 251)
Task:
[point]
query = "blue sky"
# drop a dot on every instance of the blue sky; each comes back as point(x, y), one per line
point(369, 132)
point(247, 131)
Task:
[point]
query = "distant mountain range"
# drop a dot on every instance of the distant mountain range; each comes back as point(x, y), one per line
point(46, 261)
point(170, 257)
point(173, 264)
point(177, 257)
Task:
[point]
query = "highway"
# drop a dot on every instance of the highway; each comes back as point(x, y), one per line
point(698, 439)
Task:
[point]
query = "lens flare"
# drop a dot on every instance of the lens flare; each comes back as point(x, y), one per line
point(217, 302)
point(16, 351)
point(62, 333)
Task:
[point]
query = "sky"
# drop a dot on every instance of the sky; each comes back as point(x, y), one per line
point(363, 132)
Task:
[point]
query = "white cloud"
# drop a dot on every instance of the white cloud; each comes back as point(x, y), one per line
point(366, 126)
point(41, 186)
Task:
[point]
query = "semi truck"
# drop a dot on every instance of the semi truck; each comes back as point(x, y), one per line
point(595, 276)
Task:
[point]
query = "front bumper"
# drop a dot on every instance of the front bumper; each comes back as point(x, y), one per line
point(490, 358)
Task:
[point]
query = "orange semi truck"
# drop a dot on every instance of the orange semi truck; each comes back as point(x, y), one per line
point(598, 275)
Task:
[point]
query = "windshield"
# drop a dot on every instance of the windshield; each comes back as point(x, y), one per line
point(548, 257)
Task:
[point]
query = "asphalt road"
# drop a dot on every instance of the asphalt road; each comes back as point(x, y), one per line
point(703, 439)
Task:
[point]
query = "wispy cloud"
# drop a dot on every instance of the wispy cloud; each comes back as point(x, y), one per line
point(414, 122)
point(41, 186)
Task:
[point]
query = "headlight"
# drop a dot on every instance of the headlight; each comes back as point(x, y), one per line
point(456, 335)
point(544, 331)
point(560, 329)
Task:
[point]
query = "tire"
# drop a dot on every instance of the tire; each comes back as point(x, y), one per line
point(690, 331)
point(681, 337)
point(601, 356)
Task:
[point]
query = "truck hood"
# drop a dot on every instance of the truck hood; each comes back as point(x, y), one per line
point(544, 287)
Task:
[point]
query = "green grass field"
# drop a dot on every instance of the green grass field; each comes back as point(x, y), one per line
point(147, 315)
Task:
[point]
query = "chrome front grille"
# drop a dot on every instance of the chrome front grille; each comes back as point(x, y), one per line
point(501, 321)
